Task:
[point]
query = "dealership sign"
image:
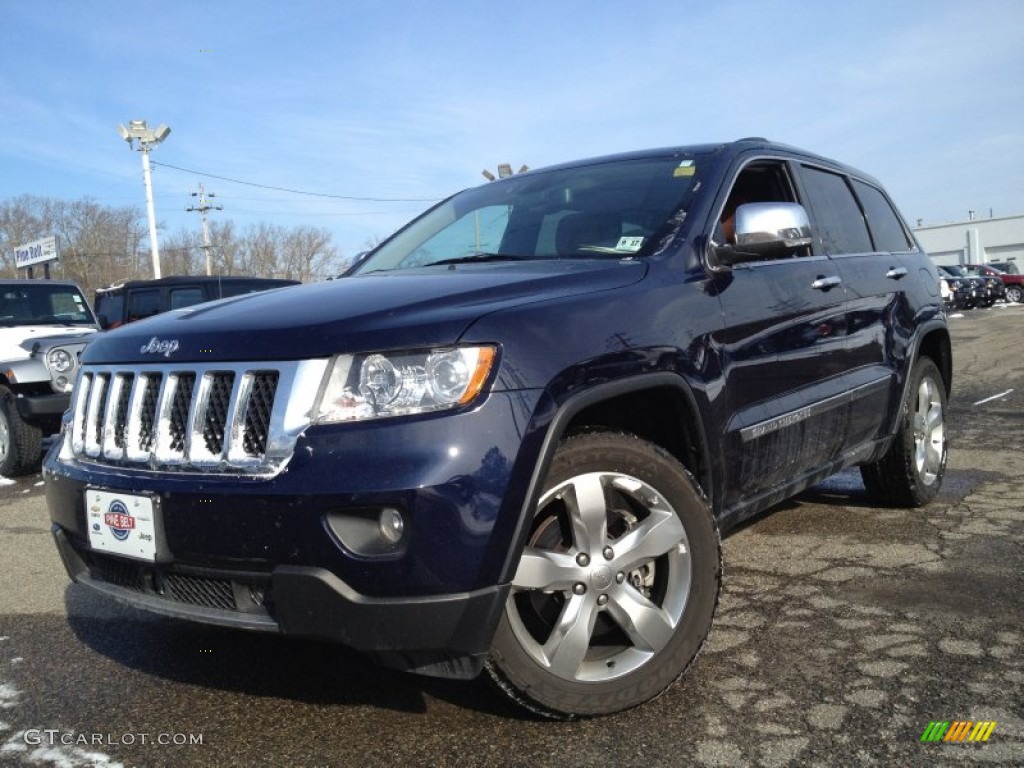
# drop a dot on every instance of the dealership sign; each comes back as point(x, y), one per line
point(36, 252)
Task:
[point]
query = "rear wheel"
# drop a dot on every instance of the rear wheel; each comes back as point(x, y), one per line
point(618, 583)
point(21, 444)
point(1015, 293)
point(910, 473)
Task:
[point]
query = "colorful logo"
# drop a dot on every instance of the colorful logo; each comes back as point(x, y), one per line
point(121, 523)
point(958, 730)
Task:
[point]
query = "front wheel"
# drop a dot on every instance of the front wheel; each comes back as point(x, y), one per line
point(910, 473)
point(1015, 293)
point(617, 586)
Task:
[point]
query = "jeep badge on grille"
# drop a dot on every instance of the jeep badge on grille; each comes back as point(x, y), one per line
point(157, 347)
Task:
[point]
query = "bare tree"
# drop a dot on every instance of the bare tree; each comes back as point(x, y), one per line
point(101, 245)
point(19, 223)
point(97, 244)
point(307, 255)
point(261, 245)
point(182, 253)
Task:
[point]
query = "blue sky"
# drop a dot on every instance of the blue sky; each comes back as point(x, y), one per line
point(411, 100)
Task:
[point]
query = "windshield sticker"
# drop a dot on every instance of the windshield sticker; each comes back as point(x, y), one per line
point(685, 168)
point(630, 244)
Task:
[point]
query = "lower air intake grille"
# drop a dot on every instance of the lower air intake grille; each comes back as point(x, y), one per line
point(184, 588)
point(196, 590)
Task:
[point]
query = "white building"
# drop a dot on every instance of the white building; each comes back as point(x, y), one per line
point(975, 241)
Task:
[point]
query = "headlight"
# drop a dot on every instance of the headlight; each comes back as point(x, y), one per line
point(387, 384)
point(60, 360)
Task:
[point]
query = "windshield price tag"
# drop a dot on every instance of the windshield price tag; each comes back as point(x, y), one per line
point(630, 244)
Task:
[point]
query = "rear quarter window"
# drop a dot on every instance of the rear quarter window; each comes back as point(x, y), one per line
point(885, 224)
point(186, 297)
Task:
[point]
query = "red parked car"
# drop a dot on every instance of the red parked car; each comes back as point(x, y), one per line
point(1014, 283)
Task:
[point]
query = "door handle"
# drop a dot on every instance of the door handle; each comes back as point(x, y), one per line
point(895, 273)
point(826, 283)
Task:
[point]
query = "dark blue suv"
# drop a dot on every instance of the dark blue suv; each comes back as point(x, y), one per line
point(511, 438)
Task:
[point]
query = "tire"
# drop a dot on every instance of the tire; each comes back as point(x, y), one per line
point(1014, 293)
point(617, 586)
point(910, 473)
point(21, 444)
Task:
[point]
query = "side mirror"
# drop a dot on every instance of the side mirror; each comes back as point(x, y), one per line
point(766, 231)
point(104, 321)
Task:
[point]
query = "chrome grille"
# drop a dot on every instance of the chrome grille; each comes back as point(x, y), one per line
point(208, 418)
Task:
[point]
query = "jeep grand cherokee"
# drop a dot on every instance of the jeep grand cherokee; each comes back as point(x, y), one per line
point(511, 439)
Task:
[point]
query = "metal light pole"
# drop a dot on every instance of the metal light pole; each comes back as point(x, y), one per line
point(148, 139)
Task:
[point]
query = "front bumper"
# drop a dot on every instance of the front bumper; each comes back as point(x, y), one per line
point(261, 553)
point(43, 410)
point(441, 635)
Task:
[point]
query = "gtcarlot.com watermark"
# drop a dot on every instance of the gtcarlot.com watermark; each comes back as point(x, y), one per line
point(51, 737)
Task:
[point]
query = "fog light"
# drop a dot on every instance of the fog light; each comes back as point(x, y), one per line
point(369, 532)
point(63, 385)
point(391, 525)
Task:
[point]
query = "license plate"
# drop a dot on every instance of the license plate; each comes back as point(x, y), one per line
point(121, 524)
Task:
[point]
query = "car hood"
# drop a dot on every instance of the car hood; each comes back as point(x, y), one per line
point(16, 342)
point(409, 309)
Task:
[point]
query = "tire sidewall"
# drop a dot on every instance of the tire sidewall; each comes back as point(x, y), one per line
point(24, 441)
point(923, 492)
point(8, 459)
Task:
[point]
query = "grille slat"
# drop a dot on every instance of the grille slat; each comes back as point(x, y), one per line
point(202, 418)
point(257, 412)
point(215, 418)
point(147, 413)
point(181, 401)
point(121, 413)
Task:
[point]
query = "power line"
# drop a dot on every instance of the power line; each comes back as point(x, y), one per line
point(299, 191)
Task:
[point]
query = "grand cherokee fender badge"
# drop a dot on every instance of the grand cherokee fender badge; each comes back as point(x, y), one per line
point(157, 347)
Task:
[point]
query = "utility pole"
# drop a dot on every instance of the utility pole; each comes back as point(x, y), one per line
point(203, 207)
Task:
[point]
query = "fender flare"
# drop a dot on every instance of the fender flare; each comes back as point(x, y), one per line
point(945, 367)
point(556, 428)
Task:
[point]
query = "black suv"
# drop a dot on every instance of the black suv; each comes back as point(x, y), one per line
point(138, 299)
point(511, 438)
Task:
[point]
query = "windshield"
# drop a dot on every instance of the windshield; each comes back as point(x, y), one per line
point(40, 303)
point(612, 209)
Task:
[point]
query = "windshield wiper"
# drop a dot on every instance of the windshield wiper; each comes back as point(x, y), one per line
point(481, 257)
